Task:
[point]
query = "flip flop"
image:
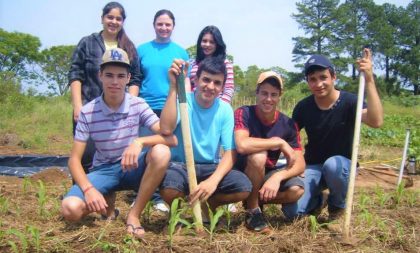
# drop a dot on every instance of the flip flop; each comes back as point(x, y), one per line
point(112, 217)
point(134, 233)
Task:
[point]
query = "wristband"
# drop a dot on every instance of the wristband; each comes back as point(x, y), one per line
point(87, 189)
point(138, 143)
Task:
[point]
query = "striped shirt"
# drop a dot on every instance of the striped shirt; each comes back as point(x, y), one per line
point(228, 89)
point(113, 131)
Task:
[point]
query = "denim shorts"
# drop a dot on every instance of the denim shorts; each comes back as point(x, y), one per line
point(108, 178)
point(177, 178)
point(287, 183)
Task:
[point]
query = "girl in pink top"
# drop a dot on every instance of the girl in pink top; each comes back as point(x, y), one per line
point(210, 43)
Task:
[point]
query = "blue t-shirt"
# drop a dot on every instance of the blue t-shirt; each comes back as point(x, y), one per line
point(210, 128)
point(155, 60)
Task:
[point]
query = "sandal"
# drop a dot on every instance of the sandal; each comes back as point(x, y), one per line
point(112, 217)
point(134, 231)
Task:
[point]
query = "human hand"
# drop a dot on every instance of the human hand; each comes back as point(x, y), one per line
point(130, 156)
point(365, 63)
point(95, 201)
point(175, 70)
point(203, 191)
point(270, 189)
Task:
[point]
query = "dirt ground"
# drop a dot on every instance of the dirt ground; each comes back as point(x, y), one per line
point(379, 224)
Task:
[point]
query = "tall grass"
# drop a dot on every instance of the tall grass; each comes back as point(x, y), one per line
point(40, 123)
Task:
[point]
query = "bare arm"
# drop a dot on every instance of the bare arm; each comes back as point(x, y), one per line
point(248, 145)
point(169, 113)
point(76, 98)
point(373, 115)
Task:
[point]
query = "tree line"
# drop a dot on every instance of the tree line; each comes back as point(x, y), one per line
point(337, 30)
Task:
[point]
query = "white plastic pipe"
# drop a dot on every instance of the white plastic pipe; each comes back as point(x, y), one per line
point(355, 151)
point(404, 157)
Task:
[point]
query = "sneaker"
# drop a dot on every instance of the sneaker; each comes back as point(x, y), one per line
point(160, 206)
point(256, 222)
point(232, 208)
point(335, 213)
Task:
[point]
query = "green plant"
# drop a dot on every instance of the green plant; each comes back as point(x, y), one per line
point(399, 193)
point(22, 239)
point(42, 198)
point(148, 210)
point(382, 196)
point(364, 201)
point(104, 246)
point(4, 204)
point(314, 225)
point(214, 219)
point(35, 237)
point(26, 184)
point(175, 218)
point(228, 215)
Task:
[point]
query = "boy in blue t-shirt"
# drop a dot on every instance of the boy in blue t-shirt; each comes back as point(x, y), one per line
point(211, 123)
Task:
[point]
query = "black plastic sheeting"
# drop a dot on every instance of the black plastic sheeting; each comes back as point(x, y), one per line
point(27, 165)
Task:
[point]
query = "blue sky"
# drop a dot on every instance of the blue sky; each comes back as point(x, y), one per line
point(255, 32)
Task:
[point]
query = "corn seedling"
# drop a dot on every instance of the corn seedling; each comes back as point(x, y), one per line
point(412, 197)
point(315, 226)
point(42, 198)
point(399, 193)
point(214, 219)
point(148, 210)
point(175, 218)
point(367, 217)
point(22, 239)
point(381, 196)
point(364, 201)
point(104, 246)
point(228, 215)
point(26, 184)
point(4, 205)
point(35, 237)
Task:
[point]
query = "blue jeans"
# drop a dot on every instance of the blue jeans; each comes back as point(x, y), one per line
point(332, 175)
point(177, 178)
point(108, 178)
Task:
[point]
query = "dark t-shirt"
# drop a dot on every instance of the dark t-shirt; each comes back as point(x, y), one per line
point(330, 132)
point(283, 127)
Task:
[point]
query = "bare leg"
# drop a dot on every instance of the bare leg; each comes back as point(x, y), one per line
point(255, 170)
point(73, 209)
point(157, 161)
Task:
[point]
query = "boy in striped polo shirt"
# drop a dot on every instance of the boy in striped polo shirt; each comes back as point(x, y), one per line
point(122, 161)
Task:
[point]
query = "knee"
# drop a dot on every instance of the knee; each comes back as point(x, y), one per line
point(336, 164)
point(296, 192)
point(160, 154)
point(72, 209)
point(256, 162)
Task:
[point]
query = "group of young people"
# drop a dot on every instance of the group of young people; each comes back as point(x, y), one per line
point(126, 116)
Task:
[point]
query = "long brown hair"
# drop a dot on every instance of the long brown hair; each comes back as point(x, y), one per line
point(123, 41)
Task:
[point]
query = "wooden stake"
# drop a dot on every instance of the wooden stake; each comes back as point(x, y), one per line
point(188, 150)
